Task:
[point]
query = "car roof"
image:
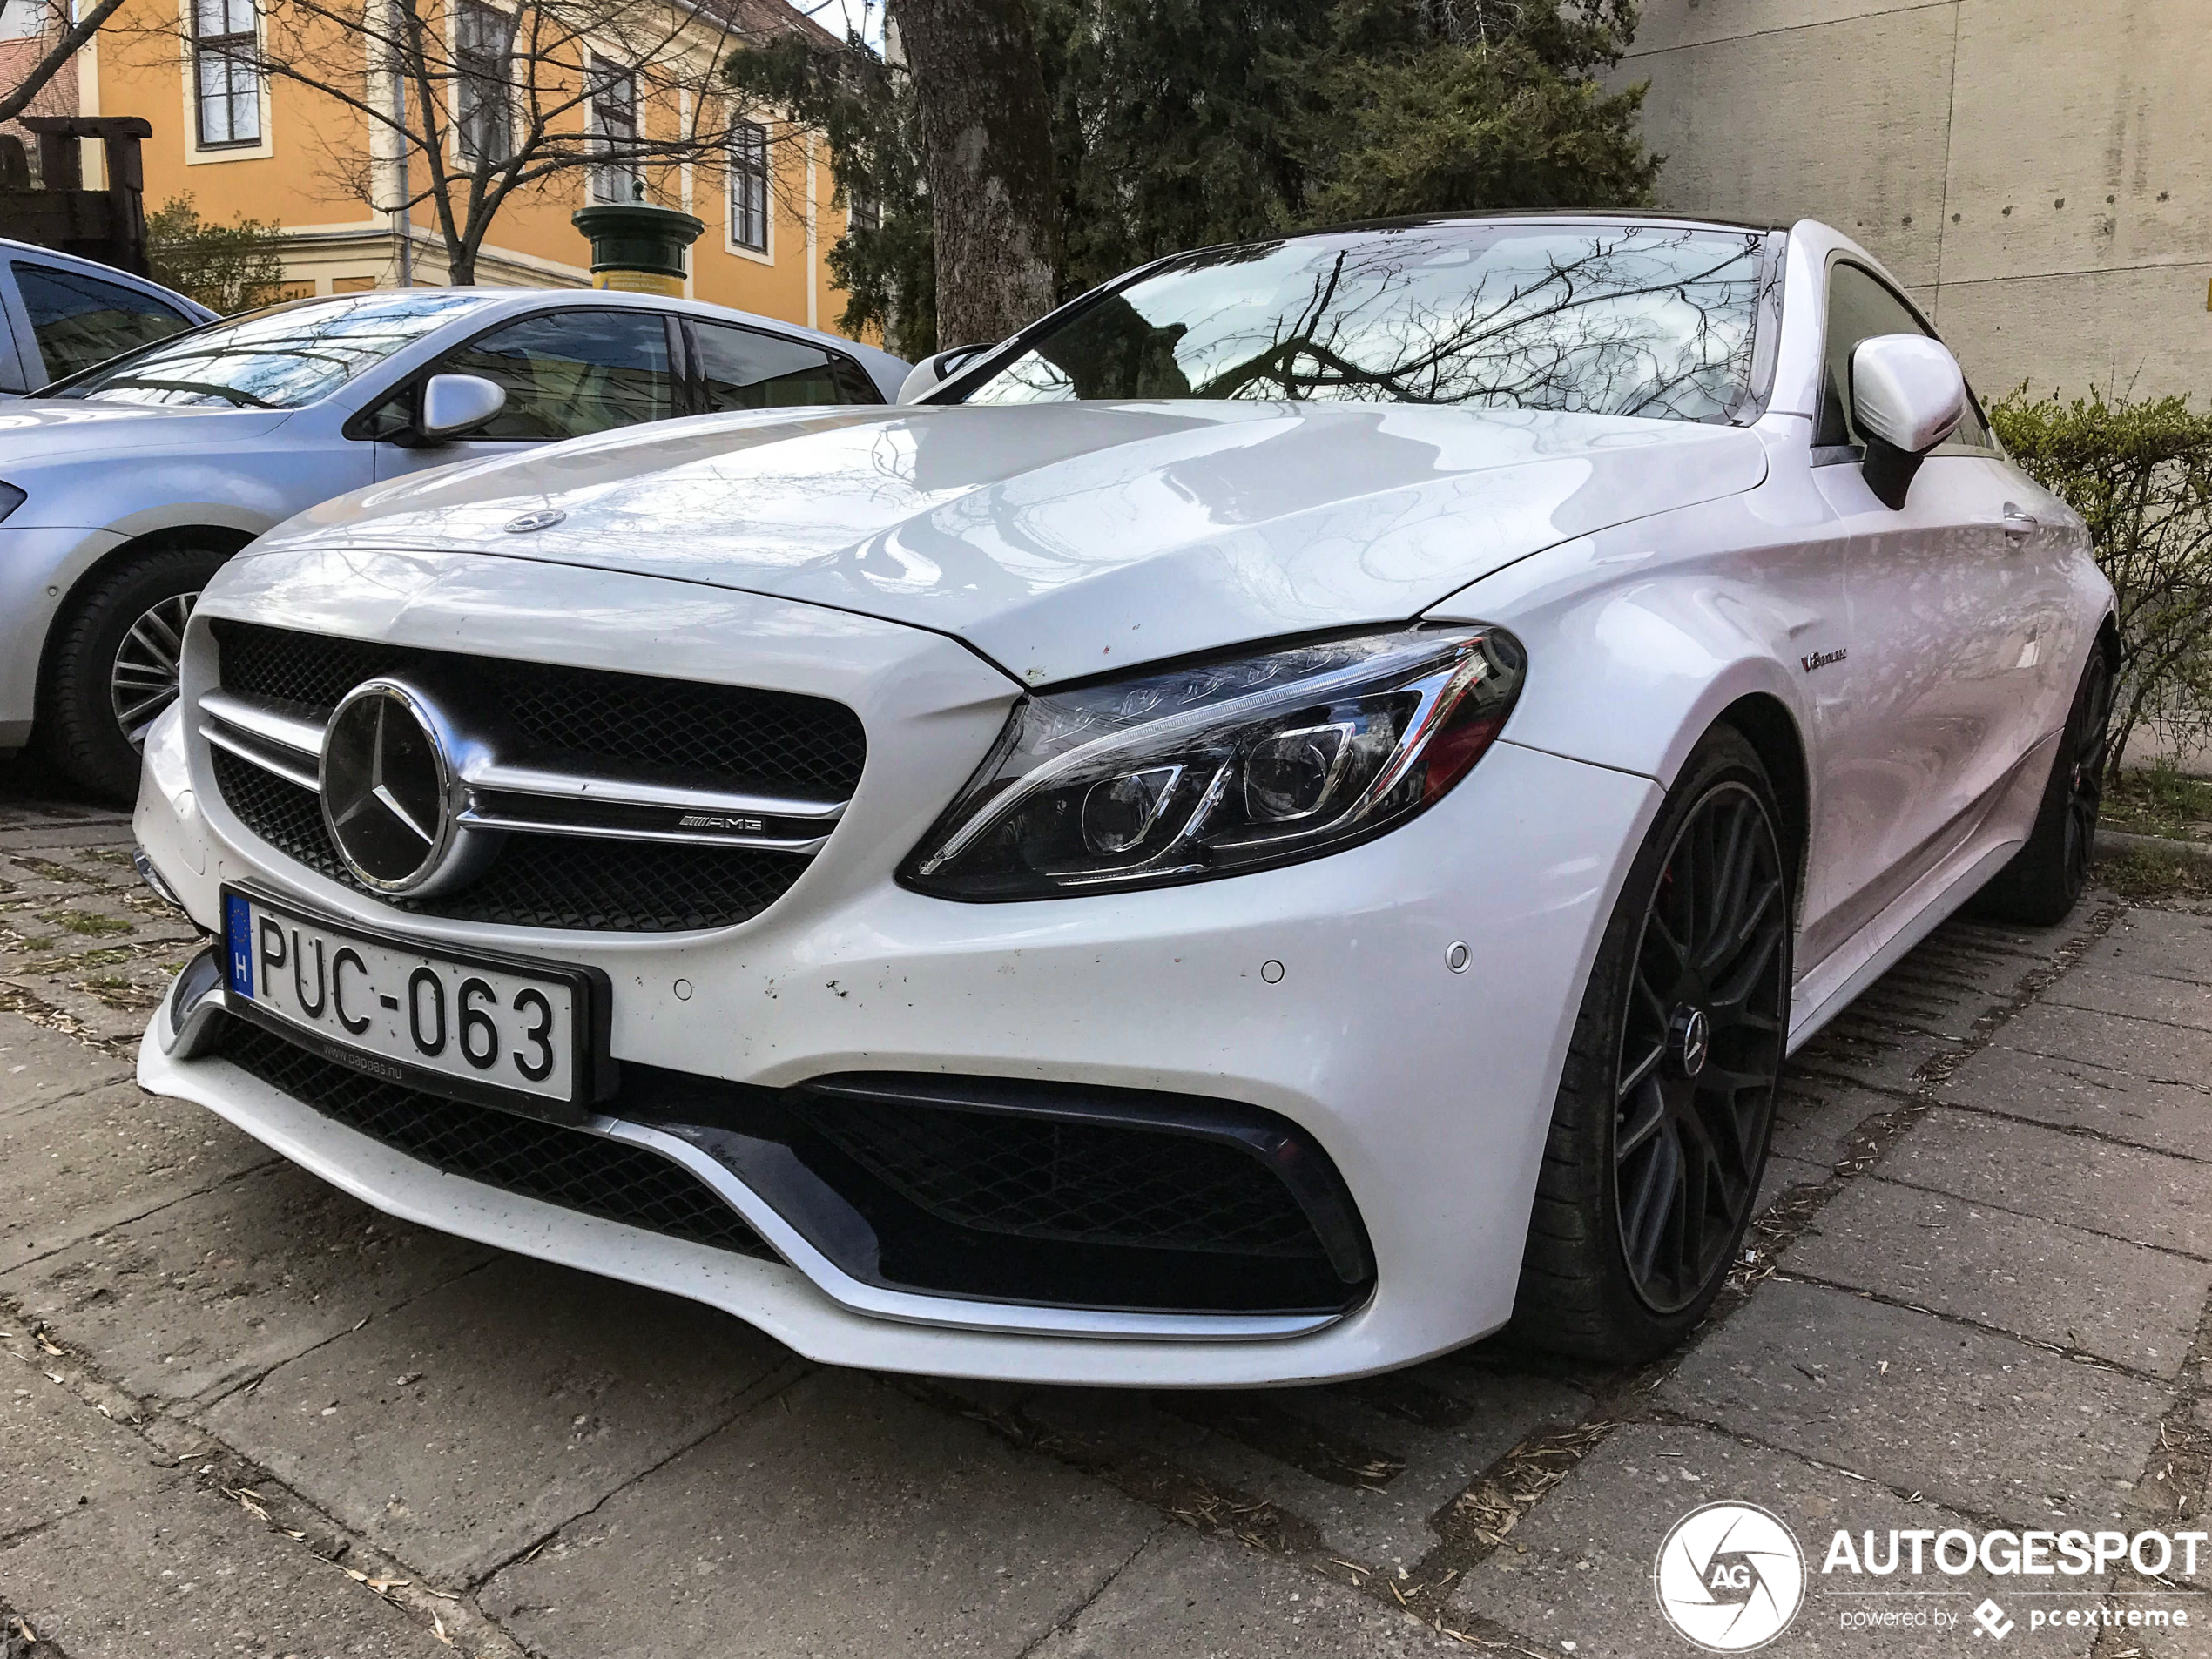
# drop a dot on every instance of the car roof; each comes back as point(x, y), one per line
point(487, 300)
point(1560, 215)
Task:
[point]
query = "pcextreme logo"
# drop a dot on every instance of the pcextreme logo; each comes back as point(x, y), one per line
point(1729, 1577)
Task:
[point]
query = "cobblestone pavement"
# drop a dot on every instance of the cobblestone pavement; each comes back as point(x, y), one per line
point(242, 1414)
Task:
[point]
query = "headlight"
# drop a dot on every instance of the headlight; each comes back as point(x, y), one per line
point(1213, 768)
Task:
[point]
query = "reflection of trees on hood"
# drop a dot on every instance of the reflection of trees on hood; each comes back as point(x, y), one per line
point(1641, 321)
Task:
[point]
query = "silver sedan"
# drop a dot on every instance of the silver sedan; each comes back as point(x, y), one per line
point(123, 488)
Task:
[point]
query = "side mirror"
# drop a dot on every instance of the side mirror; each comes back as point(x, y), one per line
point(453, 404)
point(933, 371)
point(1907, 396)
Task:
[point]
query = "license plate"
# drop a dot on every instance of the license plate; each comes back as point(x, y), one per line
point(506, 1033)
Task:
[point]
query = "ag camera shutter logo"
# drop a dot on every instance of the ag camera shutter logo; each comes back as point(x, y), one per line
point(1729, 1577)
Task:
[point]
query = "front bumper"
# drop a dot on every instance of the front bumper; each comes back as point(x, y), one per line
point(1430, 1089)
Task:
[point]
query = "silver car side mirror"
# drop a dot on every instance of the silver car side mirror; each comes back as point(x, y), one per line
point(933, 371)
point(1907, 396)
point(453, 404)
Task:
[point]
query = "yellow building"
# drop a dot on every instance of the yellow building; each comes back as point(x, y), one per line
point(240, 139)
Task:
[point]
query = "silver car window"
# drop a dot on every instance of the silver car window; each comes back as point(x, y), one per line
point(278, 358)
point(1649, 320)
point(79, 321)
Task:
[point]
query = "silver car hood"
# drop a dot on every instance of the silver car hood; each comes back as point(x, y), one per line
point(1064, 539)
point(71, 428)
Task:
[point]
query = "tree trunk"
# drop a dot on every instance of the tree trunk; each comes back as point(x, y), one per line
point(987, 149)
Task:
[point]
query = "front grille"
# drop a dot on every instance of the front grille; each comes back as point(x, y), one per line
point(568, 1167)
point(631, 724)
point(1036, 1178)
point(537, 880)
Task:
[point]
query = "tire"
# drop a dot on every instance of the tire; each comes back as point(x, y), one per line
point(1626, 1252)
point(2044, 880)
point(110, 667)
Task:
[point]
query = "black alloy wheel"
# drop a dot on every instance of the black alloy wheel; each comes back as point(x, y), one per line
point(2045, 878)
point(2085, 774)
point(1659, 1131)
point(112, 663)
point(1701, 1049)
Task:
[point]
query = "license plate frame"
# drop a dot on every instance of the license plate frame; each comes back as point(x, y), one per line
point(592, 1070)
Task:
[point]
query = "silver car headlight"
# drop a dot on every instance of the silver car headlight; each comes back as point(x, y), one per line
point(1213, 768)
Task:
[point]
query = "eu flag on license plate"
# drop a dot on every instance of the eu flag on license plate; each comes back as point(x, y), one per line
point(237, 934)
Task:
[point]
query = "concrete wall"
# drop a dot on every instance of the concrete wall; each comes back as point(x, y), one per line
point(2039, 172)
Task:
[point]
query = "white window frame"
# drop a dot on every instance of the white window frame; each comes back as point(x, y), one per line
point(259, 148)
point(761, 177)
point(612, 181)
point(465, 84)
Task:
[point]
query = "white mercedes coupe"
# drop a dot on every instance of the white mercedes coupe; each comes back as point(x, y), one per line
point(1279, 819)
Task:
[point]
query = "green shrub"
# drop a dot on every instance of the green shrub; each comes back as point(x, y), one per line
point(2139, 472)
point(226, 267)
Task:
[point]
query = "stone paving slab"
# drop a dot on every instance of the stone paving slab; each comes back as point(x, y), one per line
point(56, 1454)
point(2073, 1094)
point(1580, 1570)
point(465, 1425)
point(38, 1066)
point(2140, 1048)
point(2122, 1301)
point(1858, 1049)
point(1813, 1122)
point(96, 1160)
point(2122, 1191)
point(186, 1574)
point(1978, 1421)
point(2110, 989)
point(217, 1288)
point(840, 1518)
point(1305, 1449)
point(1186, 1596)
point(2170, 944)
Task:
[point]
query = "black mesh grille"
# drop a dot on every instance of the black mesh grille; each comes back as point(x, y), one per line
point(620, 725)
point(1084, 1182)
point(564, 1166)
point(538, 881)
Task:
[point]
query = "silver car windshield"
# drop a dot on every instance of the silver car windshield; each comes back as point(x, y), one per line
point(1651, 319)
point(278, 359)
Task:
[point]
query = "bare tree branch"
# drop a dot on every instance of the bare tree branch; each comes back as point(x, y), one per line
point(18, 99)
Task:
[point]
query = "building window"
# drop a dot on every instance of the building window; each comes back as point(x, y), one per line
point(614, 121)
point(227, 74)
point(485, 117)
point(861, 213)
point(749, 185)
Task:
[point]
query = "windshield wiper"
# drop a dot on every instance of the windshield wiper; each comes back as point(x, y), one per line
point(243, 400)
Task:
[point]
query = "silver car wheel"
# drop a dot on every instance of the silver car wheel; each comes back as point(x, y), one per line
point(143, 681)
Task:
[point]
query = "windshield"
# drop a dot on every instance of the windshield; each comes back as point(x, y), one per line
point(1641, 319)
point(278, 359)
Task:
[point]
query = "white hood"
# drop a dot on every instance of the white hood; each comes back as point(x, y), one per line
point(1065, 539)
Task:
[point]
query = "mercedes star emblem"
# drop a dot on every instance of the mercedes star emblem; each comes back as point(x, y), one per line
point(388, 793)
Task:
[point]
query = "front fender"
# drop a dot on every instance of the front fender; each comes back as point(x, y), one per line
point(1638, 637)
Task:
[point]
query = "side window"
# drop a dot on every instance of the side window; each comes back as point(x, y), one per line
point(570, 372)
point(746, 369)
point(80, 321)
point(1861, 306)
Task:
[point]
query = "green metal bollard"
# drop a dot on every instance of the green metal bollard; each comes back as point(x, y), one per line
point(637, 247)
